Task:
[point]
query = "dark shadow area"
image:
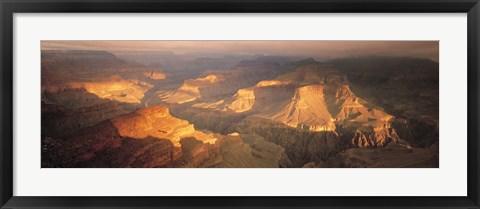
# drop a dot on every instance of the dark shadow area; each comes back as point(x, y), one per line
point(69, 110)
point(101, 146)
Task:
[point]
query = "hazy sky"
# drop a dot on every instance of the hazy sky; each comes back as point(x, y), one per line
point(319, 49)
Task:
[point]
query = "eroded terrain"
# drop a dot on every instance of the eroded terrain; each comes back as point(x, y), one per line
point(101, 109)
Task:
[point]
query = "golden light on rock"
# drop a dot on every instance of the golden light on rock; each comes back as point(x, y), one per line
point(190, 90)
point(117, 89)
point(156, 121)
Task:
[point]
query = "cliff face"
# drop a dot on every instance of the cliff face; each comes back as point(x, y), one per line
point(263, 94)
point(151, 137)
point(218, 84)
point(369, 137)
point(139, 138)
point(157, 122)
point(307, 110)
point(344, 105)
point(311, 111)
point(301, 146)
point(69, 110)
point(82, 88)
point(98, 72)
point(317, 98)
point(244, 100)
point(192, 89)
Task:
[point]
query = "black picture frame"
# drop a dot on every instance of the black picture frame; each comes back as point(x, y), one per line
point(9, 7)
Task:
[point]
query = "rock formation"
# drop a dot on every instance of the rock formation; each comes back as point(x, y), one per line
point(218, 83)
point(151, 137)
point(101, 111)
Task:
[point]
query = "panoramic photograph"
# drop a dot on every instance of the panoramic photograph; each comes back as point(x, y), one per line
point(239, 104)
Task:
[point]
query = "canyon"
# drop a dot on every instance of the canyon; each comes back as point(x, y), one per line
point(101, 109)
